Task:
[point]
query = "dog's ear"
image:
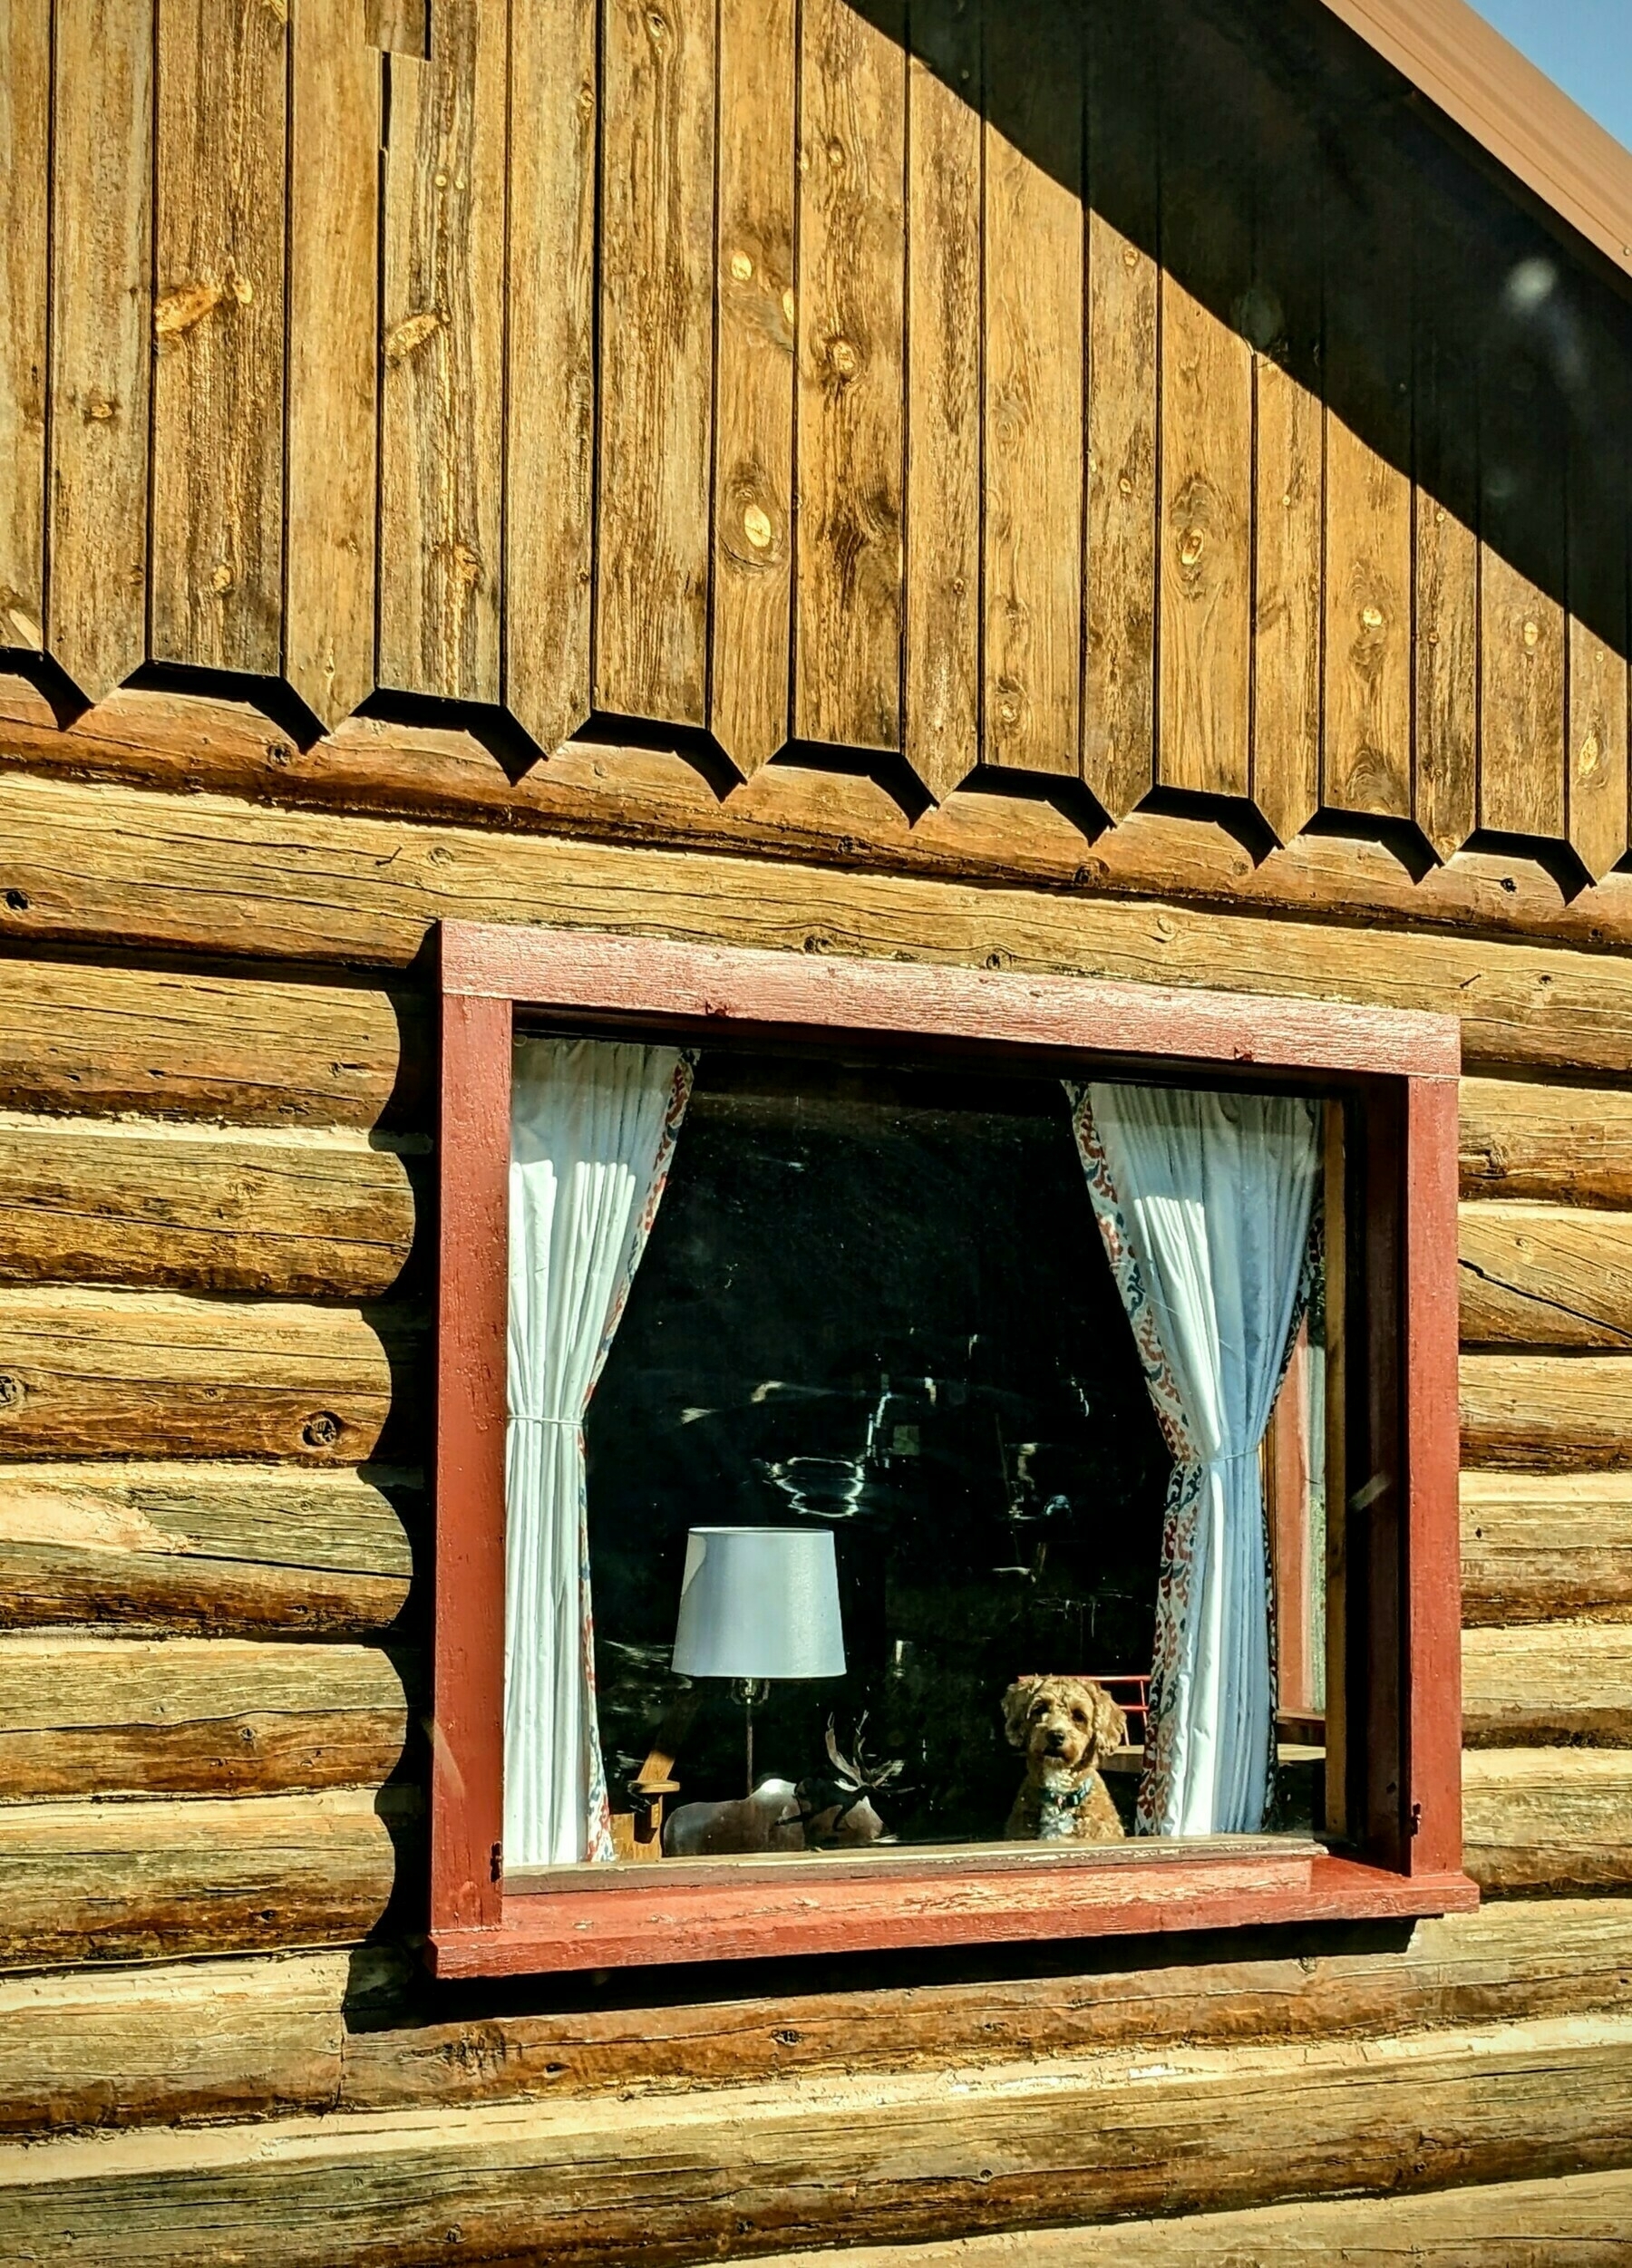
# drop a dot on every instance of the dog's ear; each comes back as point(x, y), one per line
point(1110, 1724)
point(1016, 1702)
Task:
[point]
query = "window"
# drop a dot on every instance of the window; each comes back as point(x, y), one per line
point(894, 1428)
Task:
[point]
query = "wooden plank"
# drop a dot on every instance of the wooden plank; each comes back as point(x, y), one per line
point(101, 208)
point(218, 329)
point(819, 817)
point(1546, 1412)
point(1541, 1546)
point(751, 618)
point(95, 1882)
point(1559, 1145)
point(549, 367)
point(1291, 475)
point(1553, 1685)
point(656, 341)
point(1118, 723)
point(847, 670)
point(178, 1044)
point(1034, 366)
point(99, 1717)
point(119, 1374)
point(255, 2037)
point(1447, 676)
point(942, 606)
point(334, 342)
point(1548, 1822)
point(901, 2156)
point(1204, 613)
point(24, 174)
point(402, 27)
point(214, 2040)
point(1597, 749)
point(1573, 2221)
point(442, 406)
point(1521, 765)
point(1544, 1275)
point(216, 1549)
point(111, 1203)
point(1368, 630)
point(101, 863)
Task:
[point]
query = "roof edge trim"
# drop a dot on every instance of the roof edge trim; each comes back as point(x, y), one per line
point(1514, 111)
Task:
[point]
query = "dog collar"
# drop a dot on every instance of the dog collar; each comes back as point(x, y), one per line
point(1069, 1802)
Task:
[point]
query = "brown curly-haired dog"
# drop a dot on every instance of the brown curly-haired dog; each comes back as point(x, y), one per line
point(1065, 1725)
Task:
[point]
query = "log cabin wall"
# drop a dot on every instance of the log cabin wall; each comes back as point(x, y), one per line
point(347, 485)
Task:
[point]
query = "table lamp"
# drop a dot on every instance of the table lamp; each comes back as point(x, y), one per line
point(758, 1604)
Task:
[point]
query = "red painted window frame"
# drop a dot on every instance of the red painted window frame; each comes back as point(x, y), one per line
point(1397, 1072)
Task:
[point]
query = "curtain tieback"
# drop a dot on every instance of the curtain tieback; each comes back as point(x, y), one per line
point(524, 1416)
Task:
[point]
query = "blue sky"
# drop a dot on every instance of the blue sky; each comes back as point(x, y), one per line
point(1585, 45)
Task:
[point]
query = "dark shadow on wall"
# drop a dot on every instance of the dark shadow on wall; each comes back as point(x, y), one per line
point(1297, 186)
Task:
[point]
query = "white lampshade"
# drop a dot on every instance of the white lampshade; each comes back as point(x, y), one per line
point(759, 1602)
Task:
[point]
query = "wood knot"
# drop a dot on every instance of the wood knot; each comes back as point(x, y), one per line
point(1193, 543)
point(844, 358)
point(178, 310)
point(221, 579)
point(742, 266)
point(321, 1430)
point(16, 901)
point(1587, 762)
point(757, 527)
point(1371, 617)
point(1532, 637)
point(13, 1391)
point(788, 306)
point(411, 332)
point(657, 29)
point(835, 154)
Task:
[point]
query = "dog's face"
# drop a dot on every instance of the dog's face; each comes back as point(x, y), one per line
point(1068, 1723)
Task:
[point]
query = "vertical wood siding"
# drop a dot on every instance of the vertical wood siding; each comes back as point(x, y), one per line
point(1136, 397)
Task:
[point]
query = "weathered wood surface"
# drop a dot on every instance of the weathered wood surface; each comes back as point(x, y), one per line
point(24, 142)
point(109, 1204)
point(1552, 1683)
point(359, 2029)
point(92, 864)
point(1541, 1546)
point(215, 1549)
point(1579, 2221)
point(1546, 1412)
point(83, 1717)
point(101, 353)
point(216, 463)
point(93, 1882)
point(441, 311)
point(82, 1037)
point(123, 1374)
point(1548, 1822)
point(329, 582)
point(794, 810)
point(1549, 1144)
point(816, 2160)
point(1544, 1275)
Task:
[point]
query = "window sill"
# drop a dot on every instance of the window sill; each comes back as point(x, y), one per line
point(663, 1921)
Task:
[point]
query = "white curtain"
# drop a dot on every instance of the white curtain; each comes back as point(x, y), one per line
point(1204, 1202)
point(592, 1128)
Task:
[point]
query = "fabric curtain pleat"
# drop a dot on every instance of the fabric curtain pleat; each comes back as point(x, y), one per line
point(1204, 1203)
point(593, 1126)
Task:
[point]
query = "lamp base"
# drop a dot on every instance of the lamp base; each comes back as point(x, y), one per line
point(751, 1691)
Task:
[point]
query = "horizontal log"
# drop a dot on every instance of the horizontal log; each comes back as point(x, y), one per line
point(198, 1716)
point(1564, 1413)
point(387, 767)
point(1548, 1821)
point(816, 2161)
point(1537, 1276)
point(96, 864)
point(1579, 2221)
point(1553, 1683)
point(91, 1373)
point(93, 1882)
point(1550, 1144)
point(362, 2030)
point(312, 1218)
point(87, 1036)
point(1542, 1546)
point(226, 1549)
